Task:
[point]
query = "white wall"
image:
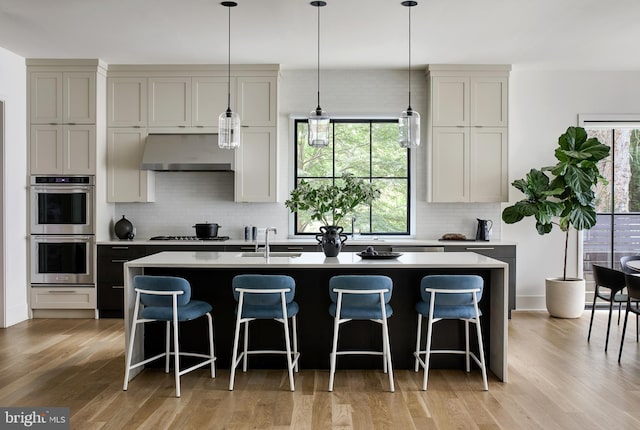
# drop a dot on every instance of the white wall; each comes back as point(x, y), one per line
point(209, 196)
point(542, 105)
point(13, 282)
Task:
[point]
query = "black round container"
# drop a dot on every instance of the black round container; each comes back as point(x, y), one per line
point(123, 229)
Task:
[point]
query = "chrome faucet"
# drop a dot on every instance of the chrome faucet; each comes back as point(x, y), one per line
point(266, 239)
point(353, 230)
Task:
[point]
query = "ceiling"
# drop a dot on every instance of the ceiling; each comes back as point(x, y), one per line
point(544, 34)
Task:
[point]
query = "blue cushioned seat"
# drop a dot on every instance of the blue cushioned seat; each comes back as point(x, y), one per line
point(168, 299)
point(450, 297)
point(264, 297)
point(361, 297)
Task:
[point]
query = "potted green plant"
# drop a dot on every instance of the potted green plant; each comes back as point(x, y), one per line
point(563, 195)
point(329, 203)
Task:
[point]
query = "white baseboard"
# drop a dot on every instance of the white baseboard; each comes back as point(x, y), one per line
point(530, 303)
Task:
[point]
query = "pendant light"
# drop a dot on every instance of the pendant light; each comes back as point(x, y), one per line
point(409, 121)
point(229, 122)
point(318, 119)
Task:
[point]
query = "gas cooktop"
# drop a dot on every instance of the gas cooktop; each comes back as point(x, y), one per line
point(187, 238)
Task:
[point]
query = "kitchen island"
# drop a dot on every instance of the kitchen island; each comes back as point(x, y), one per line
point(210, 275)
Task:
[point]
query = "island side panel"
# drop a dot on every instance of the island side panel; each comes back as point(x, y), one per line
point(499, 285)
point(129, 305)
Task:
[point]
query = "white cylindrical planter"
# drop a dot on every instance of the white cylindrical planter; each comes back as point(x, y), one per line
point(565, 298)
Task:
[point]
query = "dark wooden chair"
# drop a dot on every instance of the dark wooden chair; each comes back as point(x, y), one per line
point(613, 282)
point(633, 305)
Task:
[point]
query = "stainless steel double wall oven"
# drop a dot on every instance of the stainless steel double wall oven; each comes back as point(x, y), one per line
point(62, 230)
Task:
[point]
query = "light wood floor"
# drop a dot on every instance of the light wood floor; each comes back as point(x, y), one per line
point(556, 381)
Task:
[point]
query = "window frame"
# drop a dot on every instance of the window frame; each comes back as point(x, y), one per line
point(411, 176)
point(612, 121)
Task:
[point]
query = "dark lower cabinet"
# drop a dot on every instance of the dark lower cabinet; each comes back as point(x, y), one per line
point(506, 253)
point(111, 259)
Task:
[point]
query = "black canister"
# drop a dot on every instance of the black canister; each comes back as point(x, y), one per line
point(123, 229)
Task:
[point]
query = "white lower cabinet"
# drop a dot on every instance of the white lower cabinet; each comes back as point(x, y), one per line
point(64, 149)
point(59, 297)
point(256, 165)
point(126, 182)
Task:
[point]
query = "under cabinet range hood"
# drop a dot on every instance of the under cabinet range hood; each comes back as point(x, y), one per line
point(186, 153)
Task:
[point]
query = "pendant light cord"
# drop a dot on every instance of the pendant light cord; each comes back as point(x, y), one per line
point(229, 67)
point(318, 75)
point(409, 58)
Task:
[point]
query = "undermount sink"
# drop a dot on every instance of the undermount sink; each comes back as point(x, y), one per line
point(271, 254)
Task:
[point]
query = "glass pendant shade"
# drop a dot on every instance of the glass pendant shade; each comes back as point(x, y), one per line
point(229, 130)
point(409, 120)
point(228, 121)
point(318, 119)
point(409, 129)
point(318, 128)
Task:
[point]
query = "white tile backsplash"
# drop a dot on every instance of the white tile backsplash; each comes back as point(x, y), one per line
point(186, 198)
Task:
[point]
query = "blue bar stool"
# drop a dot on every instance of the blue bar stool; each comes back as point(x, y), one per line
point(166, 298)
point(361, 297)
point(450, 297)
point(265, 297)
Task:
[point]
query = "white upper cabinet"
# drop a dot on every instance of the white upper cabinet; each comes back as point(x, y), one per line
point(489, 101)
point(62, 97)
point(450, 101)
point(256, 165)
point(209, 99)
point(170, 102)
point(488, 166)
point(468, 133)
point(257, 101)
point(125, 181)
point(127, 102)
point(470, 101)
point(63, 149)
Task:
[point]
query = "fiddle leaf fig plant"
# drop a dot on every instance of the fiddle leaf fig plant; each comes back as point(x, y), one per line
point(330, 203)
point(564, 196)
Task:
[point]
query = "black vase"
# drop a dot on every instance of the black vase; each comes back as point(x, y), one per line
point(123, 229)
point(330, 239)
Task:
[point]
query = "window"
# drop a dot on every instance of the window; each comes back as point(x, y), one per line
point(617, 231)
point(368, 149)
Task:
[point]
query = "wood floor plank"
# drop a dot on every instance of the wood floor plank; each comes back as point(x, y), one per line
point(558, 380)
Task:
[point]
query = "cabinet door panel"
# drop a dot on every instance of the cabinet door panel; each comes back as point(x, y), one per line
point(45, 98)
point(46, 149)
point(489, 100)
point(126, 182)
point(169, 102)
point(255, 160)
point(488, 165)
point(79, 97)
point(450, 164)
point(79, 150)
point(257, 101)
point(127, 102)
point(450, 101)
point(209, 100)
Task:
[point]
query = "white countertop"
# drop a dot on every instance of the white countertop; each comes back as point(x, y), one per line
point(204, 259)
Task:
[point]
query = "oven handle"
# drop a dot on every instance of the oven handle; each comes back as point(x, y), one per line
point(61, 238)
point(69, 188)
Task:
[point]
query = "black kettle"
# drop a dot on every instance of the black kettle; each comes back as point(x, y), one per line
point(484, 229)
